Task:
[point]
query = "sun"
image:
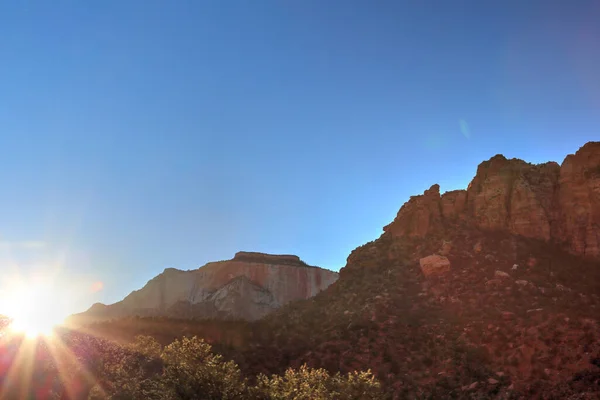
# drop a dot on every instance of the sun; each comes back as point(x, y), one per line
point(31, 327)
point(32, 309)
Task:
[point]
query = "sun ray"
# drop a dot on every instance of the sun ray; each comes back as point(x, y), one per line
point(64, 359)
point(19, 374)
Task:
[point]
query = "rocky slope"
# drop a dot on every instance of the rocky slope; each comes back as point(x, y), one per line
point(248, 287)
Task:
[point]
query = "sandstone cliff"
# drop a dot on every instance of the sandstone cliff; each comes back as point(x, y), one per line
point(249, 286)
point(555, 203)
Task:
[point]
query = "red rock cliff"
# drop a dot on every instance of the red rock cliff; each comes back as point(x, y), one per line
point(555, 203)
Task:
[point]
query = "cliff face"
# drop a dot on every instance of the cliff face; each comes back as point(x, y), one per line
point(559, 204)
point(249, 286)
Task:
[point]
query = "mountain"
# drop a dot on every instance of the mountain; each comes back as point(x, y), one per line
point(488, 292)
point(248, 287)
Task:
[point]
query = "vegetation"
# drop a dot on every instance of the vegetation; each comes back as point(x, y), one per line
point(78, 366)
point(465, 335)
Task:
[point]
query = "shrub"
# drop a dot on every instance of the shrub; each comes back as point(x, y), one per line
point(192, 371)
point(308, 384)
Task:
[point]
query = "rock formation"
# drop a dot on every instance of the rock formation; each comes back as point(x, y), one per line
point(249, 286)
point(560, 204)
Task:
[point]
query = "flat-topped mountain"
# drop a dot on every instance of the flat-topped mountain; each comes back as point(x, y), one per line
point(248, 287)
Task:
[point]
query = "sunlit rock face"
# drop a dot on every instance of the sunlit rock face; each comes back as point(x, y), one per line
point(555, 203)
point(249, 286)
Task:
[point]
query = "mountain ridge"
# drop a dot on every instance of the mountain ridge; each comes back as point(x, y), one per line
point(552, 202)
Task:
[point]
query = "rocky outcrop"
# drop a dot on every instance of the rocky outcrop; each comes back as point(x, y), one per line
point(514, 195)
point(419, 215)
point(560, 204)
point(249, 286)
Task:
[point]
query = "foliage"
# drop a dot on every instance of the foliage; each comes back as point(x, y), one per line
point(98, 369)
point(147, 345)
point(191, 368)
point(307, 384)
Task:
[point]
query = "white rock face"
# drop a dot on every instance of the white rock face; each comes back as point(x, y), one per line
point(243, 299)
point(268, 283)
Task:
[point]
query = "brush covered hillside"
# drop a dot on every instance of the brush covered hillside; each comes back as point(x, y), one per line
point(73, 365)
point(492, 292)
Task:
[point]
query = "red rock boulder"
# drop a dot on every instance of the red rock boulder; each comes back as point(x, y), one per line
point(434, 265)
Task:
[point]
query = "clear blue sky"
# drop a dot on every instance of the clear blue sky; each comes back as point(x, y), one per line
point(139, 135)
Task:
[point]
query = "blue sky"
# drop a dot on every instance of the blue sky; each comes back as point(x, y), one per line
point(139, 135)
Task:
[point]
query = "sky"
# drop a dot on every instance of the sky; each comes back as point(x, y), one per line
point(140, 135)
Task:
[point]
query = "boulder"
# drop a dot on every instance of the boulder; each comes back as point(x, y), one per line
point(434, 265)
point(501, 274)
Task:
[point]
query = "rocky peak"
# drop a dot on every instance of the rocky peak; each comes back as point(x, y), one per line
point(419, 215)
point(554, 203)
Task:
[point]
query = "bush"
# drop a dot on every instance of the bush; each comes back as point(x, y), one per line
point(192, 371)
point(146, 345)
point(308, 384)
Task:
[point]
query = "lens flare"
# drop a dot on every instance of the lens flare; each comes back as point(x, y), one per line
point(32, 309)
